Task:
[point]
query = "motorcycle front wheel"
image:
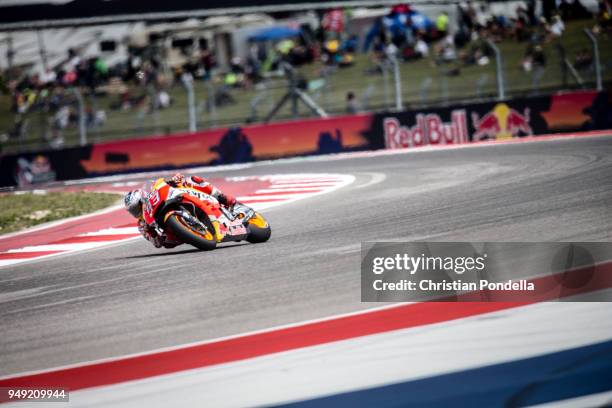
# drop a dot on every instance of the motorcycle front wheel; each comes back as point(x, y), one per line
point(259, 229)
point(204, 240)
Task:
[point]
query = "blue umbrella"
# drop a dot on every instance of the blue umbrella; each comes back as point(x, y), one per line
point(274, 33)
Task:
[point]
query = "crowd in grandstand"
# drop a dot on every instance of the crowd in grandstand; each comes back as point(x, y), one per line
point(403, 34)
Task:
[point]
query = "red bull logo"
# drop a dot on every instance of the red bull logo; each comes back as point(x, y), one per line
point(502, 122)
point(429, 129)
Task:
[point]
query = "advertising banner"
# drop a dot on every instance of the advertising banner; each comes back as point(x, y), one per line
point(231, 145)
point(558, 113)
point(209, 147)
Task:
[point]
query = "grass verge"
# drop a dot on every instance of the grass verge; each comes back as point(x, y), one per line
point(19, 211)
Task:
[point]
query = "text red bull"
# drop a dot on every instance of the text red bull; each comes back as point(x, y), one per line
point(429, 129)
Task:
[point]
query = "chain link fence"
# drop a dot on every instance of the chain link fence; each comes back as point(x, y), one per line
point(481, 70)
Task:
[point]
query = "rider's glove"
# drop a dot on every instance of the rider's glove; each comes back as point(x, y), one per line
point(227, 200)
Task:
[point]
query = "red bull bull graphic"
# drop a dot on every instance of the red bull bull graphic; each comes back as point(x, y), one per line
point(428, 130)
point(502, 122)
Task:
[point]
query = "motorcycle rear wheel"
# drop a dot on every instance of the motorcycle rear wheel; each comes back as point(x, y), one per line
point(186, 233)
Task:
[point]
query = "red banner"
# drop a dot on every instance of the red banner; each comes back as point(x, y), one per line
point(231, 145)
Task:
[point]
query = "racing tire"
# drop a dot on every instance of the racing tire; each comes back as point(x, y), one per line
point(259, 230)
point(185, 233)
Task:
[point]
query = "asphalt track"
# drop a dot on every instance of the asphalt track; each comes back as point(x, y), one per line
point(131, 298)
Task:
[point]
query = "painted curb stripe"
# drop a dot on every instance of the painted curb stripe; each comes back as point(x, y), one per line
point(290, 338)
point(95, 238)
point(23, 255)
point(550, 377)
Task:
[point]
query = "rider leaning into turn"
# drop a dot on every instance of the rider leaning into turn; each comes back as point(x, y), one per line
point(135, 199)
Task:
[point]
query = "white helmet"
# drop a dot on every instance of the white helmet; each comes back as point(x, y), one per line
point(133, 202)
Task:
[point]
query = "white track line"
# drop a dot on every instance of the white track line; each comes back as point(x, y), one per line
point(279, 190)
point(113, 231)
point(59, 247)
point(313, 185)
point(271, 198)
point(304, 180)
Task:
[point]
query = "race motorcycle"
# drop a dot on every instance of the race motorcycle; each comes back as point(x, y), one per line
point(183, 214)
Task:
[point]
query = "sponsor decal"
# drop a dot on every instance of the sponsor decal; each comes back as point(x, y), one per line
point(429, 129)
point(502, 122)
point(238, 229)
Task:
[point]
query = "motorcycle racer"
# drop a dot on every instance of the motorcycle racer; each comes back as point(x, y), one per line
point(135, 199)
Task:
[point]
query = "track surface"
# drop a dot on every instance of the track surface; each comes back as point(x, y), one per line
point(131, 297)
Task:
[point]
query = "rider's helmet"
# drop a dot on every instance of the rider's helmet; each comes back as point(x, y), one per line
point(133, 202)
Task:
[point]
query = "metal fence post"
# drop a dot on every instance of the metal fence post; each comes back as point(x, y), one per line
point(596, 56)
point(444, 89)
point(82, 119)
point(94, 113)
point(327, 90)
point(398, 84)
point(10, 55)
point(501, 86)
point(187, 80)
point(384, 67)
point(155, 107)
point(365, 97)
point(261, 95)
point(211, 103)
point(424, 89)
point(481, 83)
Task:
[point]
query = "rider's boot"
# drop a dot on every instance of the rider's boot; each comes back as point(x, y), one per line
point(221, 225)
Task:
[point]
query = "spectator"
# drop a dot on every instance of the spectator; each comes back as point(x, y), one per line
point(557, 27)
point(48, 77)
point(73, 60)
point(466, 16)
point(163, 99)
point(351, 103)
point(333, 23)
point(604, 15)
point(442, 24)
point(535, 60)
point(391, 50)
point(538, 56)
point(583, 60)
point(482, 16)
point(446, 50)
point(421, 48)
point(285, 46)
point(520, 24)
